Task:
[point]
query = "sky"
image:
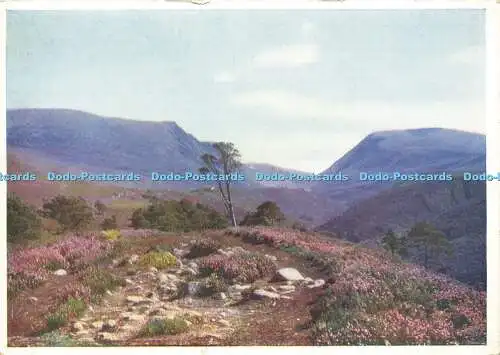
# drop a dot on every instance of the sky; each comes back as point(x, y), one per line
point(296, 89)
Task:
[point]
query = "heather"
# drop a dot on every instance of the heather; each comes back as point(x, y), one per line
point(372, 298)
point(30, 266)
point(240, 267)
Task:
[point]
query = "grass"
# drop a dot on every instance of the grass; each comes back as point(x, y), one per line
point(72, 308)
point(99, 281)
point(159, 260)
point(158, 326)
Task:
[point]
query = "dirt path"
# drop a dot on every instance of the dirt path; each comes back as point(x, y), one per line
point(226, 319)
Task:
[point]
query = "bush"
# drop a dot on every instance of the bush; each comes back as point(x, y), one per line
point(72, 213)
point(99, 281)
point(202, 248)
point(73, 308)
point(177, 216)
point(159, 260)
point(267, 214)
point(158, 326)
point(213, 284)
point(109, 223)
point(22, 221)
point(238, 268)
point(112, 234)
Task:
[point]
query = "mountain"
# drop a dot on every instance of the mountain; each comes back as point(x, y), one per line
point(405, 151)
point(75, 140)
point(456, 208)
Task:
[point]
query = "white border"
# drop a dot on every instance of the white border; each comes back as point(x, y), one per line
point(493, 163)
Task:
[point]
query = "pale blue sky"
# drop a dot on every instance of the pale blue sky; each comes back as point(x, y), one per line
point(291, 88)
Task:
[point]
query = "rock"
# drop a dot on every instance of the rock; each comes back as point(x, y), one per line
point(33, 299)
point(190, 271)
point(239, 288)
point(137, 300)
point(308, 280)
point(109, 325)
point(289, 274)
point(132, 317)
point(272, 257)
point(286, 288)
point(153, 269)
point(60, 272)
point(272, 289)
point(223, 323)
point(107, 337)
point(97, 324)
point(133, 259)
point(192, 288)
point(317, 283)
point(162, 277)
point(109, 293)
point(129, 282)
point(261, 294)
point(221, 296)
point(77, 327)
point(179, 253)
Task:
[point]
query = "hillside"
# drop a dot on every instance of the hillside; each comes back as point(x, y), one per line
point(84, 141)
point(256, 286)
point(405, 151)
point(297, 204)
point(458, 209)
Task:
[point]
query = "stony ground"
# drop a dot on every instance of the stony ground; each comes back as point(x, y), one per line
point(271, 311)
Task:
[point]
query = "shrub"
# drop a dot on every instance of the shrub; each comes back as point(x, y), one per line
point(22, 221)
point(72, 213)
point(158, 326)
point(267, 214)
point(159, 260)
point(177, 216)
point(73, 308)
point(99, 281)
point(244, 267)
point(202, 248)
point(112, 234)
point(109, 223)
point(213, 284)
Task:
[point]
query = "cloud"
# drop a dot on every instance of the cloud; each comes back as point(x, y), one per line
point(308, 28)
point(472, 55)
point(287, 56)
point(363, 115)
point(225, 77)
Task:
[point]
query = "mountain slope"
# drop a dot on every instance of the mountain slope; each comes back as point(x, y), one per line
point(457, 208)
point(405, 151)
point(76, 140)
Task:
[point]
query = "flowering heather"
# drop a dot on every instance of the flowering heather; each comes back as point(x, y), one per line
point(71, 252)
point(374, 298)
point(239, 268)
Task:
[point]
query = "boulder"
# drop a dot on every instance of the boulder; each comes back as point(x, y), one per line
point(261, 294)
point(60, 272)
point(289, 274)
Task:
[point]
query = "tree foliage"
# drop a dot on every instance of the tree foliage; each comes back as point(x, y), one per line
point(429, 241)
point(23, 223)
point(72, 213)
point(176, 216)
point(227, 162)
point(109, 223)
point(395, 244)
point(267, 214)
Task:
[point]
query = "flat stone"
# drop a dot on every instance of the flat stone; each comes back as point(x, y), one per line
point(289, 274)
point(60, 272)
point(261, 294)
point(317, 283)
